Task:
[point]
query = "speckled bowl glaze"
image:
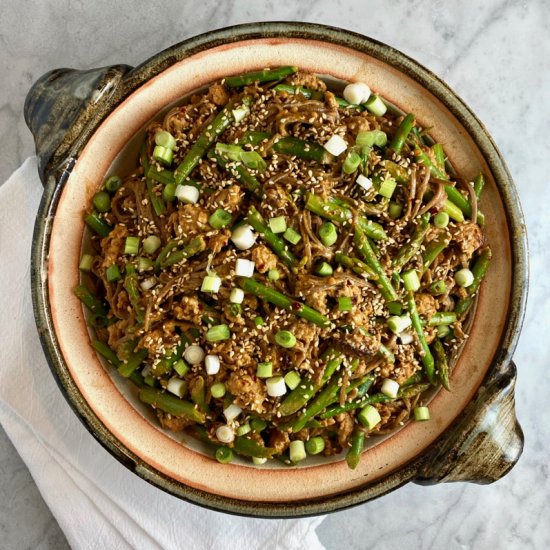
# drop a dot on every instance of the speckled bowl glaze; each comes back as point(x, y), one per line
point(82, 122)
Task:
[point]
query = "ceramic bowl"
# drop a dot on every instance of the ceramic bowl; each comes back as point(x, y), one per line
point(82, 122)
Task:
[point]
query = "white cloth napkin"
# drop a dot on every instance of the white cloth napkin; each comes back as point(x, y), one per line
point(97, 501)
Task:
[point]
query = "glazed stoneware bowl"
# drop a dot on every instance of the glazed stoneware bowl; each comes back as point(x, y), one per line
point(83, 123)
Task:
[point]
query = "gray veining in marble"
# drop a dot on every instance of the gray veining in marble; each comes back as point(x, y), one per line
point(496, 55)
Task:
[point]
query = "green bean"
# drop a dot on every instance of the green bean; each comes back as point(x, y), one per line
point(432, 251)
point(365, 249)
point(427, 358)
point(277, 298)
point(479, 271)
point(250, 447)
point(356, 265)
point(307, 150)
point(171, 254)
point(94, 304)
point(479, 184)
point(337, 211)
point(97, 224)
point(131, 285)
point(276, 244)
point(171, 404)
point(353, 456)
point(105, 351)
point(408, 250)
point(209, 134)
point(265, 75)
point(132, 363)
point(240, 171)
point(441, 364)
point(402, 133)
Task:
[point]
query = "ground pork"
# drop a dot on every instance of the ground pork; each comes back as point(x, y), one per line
point(249, 391)
point(263, 258)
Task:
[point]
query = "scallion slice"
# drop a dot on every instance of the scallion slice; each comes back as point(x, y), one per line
point(131, 246)
point(351, 162)
point(163, 155)
point(218, 333)
point(165, 139)
point(273, 275)
point(292, 379)
point(421, 413)
point(86, 263)
point(113, 184)
point(151, 244)
point(220, 218)
point(285, 339)
point(345, 303)
point(278, 224)
point(217, 390)
point(102, 201)
point(113, 273)
point(315, 445)
point(324, 269)
point(292, 236)
point(264, 370)
point(411, 280)
point(297, 451)
point(387, 187)
point(375, 105)
point(224, 455)
point(328, 233)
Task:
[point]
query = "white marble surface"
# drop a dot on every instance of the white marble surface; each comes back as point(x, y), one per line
point(496, 55)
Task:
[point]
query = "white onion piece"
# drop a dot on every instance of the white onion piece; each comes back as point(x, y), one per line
point(390, 388)
point(356, 93)
point(232, 412)
point(244, 268)
point(176, 386)
point(336, 145)
point(225, 434)
point(212, 364)
point(193, 354)
point(187, 194)
point(243, 237)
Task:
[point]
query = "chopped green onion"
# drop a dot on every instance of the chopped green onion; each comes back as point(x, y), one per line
point(292, 379)
point(131, 246)
point(351, 162)
point(259, 460)
point(273, 275)
point(113, 184)
point(368, 138)
point(395, 308)
point(224, 455)
point(345, 303)
point(464, 278)
point(244, 429)
point(144, 264)
point(211, 283)
point(278, 224)
point(324, 269)
point(163, 155)
point(375, 105)
point(181, 367)
point(264, 370)
point(217, 390)
point(443, 331)
point(165, 139)
point(437, 288)
point(328, 233)
point(218, 333)
point(240, 113)
point(292, 236)
point(387, 187)
point(441, 220)
point(398, 324)
point(151, 244)
point(394, 210)
point(236, 309)
point(113, 273)
point(315, 445)
point(411, 280)
point(258, 321)
point(86, 263)
point(102, 201)
point(297, 450)
point(169, 192)
point(258, 425)
point(421, 413)
point(285, 339)
point(220, 218)
point(253, 160)
point(369, 417)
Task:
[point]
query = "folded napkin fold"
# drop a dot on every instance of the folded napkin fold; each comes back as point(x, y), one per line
point(97, 501)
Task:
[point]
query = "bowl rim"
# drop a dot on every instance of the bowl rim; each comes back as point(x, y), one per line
point(139, 76)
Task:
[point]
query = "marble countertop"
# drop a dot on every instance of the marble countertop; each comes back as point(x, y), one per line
point(494, 54)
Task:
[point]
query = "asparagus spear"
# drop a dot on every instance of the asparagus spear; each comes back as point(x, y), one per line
point(127, 368)
point(276, 244)
point(432, 251)
point(209, 134)
point(250, 447)
point(439, 155)
point(266, 75)
point(97, 224)
point(171, 404)
point(365, 249)
point(106, 352)
point(171, 254)
point(353, 456)
point(356, 265)
point(277, 298)
point(408, 250)
point(131, 284)
point(293, 90)
point(402, 133)
point(479, 184)
point(442, 318)
point(337, 211)
point(241, 172)
point(94, 304)
point(427, 358)
point(479, 270)
point(307, 150)
point(441, 364)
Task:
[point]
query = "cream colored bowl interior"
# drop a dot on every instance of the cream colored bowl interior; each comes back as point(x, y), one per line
point(115, 404)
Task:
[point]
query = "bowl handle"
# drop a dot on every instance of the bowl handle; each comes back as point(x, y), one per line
point(484, 443)
point(59, 107)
